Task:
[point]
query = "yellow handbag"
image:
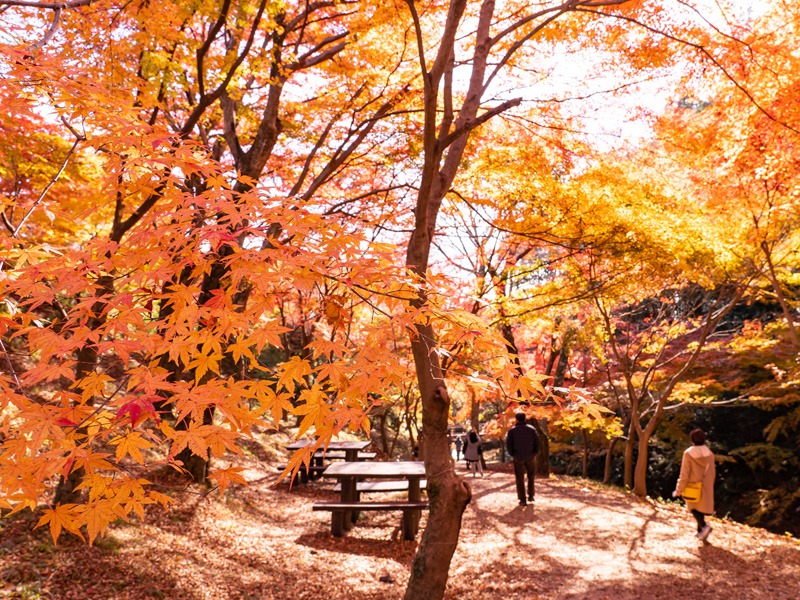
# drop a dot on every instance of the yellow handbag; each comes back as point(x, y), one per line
point(693, 492)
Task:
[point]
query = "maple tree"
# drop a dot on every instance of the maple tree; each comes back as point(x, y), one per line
point(174, 279)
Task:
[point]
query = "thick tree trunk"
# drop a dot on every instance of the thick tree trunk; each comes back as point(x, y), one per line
point(445, 137)
point(196, 466)
point(640, 474)
point(563, 361)
point(449, 494)
point(66, 489)
point(542, 460)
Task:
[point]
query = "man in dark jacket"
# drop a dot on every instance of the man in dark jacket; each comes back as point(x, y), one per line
point(522, 443)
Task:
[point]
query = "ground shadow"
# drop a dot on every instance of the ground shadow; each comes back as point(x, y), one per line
point(399, 550)
point(508, 580)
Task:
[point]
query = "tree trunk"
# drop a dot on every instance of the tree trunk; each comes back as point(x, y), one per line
point(447, 492)
point(776, 286)
point(542, 460)
point(66, 489)
point(585, 461)
point(640, 474)
point(474, 413)
point(384, 436)
point(628, 467)
point(609, 460)
point(563, 360)
point(195, 465)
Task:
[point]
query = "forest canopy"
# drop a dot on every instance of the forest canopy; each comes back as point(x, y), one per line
point(381, 218)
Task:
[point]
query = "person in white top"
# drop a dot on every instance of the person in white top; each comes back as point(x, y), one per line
point(697, 466)
point(472, 453)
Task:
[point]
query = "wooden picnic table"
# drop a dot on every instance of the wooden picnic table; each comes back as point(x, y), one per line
point(349, 474)
point(350, 451)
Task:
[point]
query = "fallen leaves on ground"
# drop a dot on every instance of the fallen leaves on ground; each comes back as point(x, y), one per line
point(579, 540)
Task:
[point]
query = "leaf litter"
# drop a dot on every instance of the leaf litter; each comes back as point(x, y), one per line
point(579, 540)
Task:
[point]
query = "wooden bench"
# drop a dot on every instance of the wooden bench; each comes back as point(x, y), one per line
point(409, 510)
point(386, 485)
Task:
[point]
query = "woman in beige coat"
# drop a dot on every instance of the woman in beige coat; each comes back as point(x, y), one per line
point(698, 466)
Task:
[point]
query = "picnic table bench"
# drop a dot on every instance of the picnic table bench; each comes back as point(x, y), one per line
point(339, 511)
point(390, 485)
point(396, 476)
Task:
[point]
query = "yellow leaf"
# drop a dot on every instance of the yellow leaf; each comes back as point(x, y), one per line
point(270, 401)
point(239, 349)
point(192, 438)
point(91, 385)
point(530, 384)
point(93, 461)
point(315, 408)
point(97, 484)
point(162, 499)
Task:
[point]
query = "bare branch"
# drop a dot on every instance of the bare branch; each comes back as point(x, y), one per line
point(207, 99)
point(229, 126)
point(202, 50)
point(345, 151)
point(308, 60)
point(50, 32)
point(50, 184)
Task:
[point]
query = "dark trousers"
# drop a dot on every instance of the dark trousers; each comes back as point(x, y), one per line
point(700, 518)
point(521, 467)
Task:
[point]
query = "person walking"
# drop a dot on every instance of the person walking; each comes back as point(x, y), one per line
point(472, 453)
point(522, 443)
point(459, 445)
point(696, 481)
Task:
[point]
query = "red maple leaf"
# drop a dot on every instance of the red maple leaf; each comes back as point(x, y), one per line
point(137, 406)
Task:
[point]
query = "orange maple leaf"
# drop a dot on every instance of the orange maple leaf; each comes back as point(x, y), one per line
point(62, 516)
point(224, 477)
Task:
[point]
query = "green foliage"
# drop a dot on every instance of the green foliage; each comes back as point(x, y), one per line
point(767, 457)
point(774, 509)
point(783, 426)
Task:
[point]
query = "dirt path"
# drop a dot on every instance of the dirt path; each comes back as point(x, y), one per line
point(263, 542)
point(591, 542)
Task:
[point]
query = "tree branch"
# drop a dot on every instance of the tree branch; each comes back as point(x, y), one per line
point(206, 100)
point(202, 50)
point(50, 32)
point(306, 60)
point(703, 50)
point(48, 5)
point(469, 125)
